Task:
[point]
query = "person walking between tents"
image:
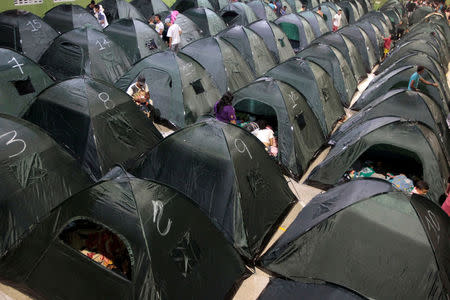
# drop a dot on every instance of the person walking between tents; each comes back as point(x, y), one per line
point(319, 11)
point(100, 15)
point(90, 7)
point(387, 45)
point(223, 109)
point(159, 26)
point(174, 35)
point(337, 20)
point(278, 6)
point(416, 77)
point(141, 95)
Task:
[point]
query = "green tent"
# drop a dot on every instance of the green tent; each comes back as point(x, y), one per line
point(98, 124)
point(318, 24)
point(179, 86)
point(26, 33)
point(161, 246)
point(136, 38)
point(362, 42)
point(65, 17)
point(85, 51)
point(183, 5)
point(208, 21)
point(226, 171)
point(419, 14)
point(262, 10)
point(237, 13)
point(251, 46)
point(362, 235)
point(350, 9)
point(190, 30)
point(403, 147)
point(21, 80)
point(297, 29)
point(120, 9)
point(317, 88)
point(37, 175)
point(223, 61)
point(298, 129)
point(149, 8)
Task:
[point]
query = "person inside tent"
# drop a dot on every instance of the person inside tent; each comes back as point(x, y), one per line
point(223, 109)
point(416, 77)
point(100, 15)
point(303, 8)
point(265, 134)
point(141, 96)
point(283, 10)
point(174, 34)
point(319, 11)
point(387, 46)
point(337, 20)
point(90, 7)
point(420, 188)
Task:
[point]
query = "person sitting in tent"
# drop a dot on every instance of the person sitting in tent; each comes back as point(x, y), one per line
point(420, 188)
point(387, 46)
point(223, 109)
point(337, 20)
point(141, 96)
point(265, 134)
point(90, 7)
point(174, 34)
point(100, 15)
point(416, 77)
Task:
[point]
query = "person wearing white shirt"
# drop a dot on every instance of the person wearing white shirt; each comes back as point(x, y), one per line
point(159, 27)
point(100, 15)
point(337, 20)
point(266, 136)
point(174, 35)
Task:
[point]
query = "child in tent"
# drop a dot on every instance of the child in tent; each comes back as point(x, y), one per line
point(265, 134)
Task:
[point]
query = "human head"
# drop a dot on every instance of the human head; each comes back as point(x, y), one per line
point(422, 187)
point(167, 21)
point(157, 18)
point(319, 8)
point(141, 80)
point(420, 69)
point(285, 7)
point(261, 124)
point(339, 11)
point(92, 4)
point(303, 7)
point(227, 98)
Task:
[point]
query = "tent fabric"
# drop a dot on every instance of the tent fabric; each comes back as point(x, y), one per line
point(362, 43)
point(297, 29)
point(350, 10)
point(419, 14)
point(412, 137)
point(278, 289)
point(375, 38)
point(168, 240)
point(299, 134)
point(37, 174)
point(120, 9)
point(65, 17)
point(149, 8)
point(237, 13)
point(135, 37)
point(328, 14)
point(399, 78)
point(228, 174)
point(21, 79)
point(251, 46)
point(357, 222)
point(85, 51)
point(179, 86)
point(316, 86)
point(227, 66)
point(274, 38)
point(218, 4)
point(183, 5)
point(26, 33)
point(318, 24)
point(348, 49)
point(190, 31)
point(434, 35)
point(379, 21)
point(296, 5)
point(208, 21)
point(262, 10)
point(332, 60)
point(87, 117)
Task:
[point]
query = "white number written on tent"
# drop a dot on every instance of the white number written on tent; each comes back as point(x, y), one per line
point(108, 103)
point(9, 139)
point(158, 209)
point(293, 98)
point(433, 224)
point(241, 147)
point(103, 44)
point(17, 65)
point(35, 25)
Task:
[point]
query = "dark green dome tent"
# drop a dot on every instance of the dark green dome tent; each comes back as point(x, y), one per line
point(164, 247)
point(149, 8)
point(65, 17)
point(282, 289)
point(318, 24)
point(208, 21)
point(362, 235)
point(359, 7)
point(393, 15)
point(328, 13)
point(262, 10)
point(26, 33)
point(297, 29)
point(348, 49)
point(350, 11)
point(375, 38)
point(299, 134)
point(332, 60)
point(237, 13)
point(190, 31)
point(136, 38)
point(437, 19)
point(183, 5)
point(227, 172)
point(362, 43)
point(219, 4)
point(251, 46)
point(179, 86)
point(98, 124)
point(21, 79)
point(37, 174)
point(379, 20)
point(399, 78)
point(296, 5)
point(274, 38)
point(309, 4)
point(419, 14)
point(317, 88)
point(223, 61)
point(413, 106)
point(411, 146)
point(120, 9)
point(85, 51)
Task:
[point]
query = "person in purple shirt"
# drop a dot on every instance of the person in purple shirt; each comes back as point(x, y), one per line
point(224, 110)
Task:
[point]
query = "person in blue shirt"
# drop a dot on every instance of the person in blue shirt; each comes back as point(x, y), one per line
point(416, 77)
